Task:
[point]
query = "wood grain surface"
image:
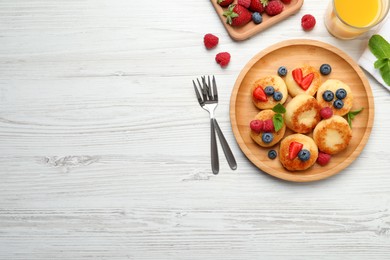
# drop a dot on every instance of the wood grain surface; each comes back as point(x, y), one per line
point(293, 54)
point(105, 152)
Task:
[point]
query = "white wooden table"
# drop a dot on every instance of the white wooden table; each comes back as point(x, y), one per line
point(104, 151)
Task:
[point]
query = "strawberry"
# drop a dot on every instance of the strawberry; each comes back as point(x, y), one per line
point(297, 75)
point(223, 58)
point(268, 125)
point(237, 15)
point(294, 149)
point(286, 1)
point(306, 81)
point(244, 3)
point(259, 94)
point(258, 5)
point(210, 41)
point(257, 126)
point(323, 158)
point(274, 7)
point(224, 3)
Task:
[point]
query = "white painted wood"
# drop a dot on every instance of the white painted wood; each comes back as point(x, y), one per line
point(105, 151)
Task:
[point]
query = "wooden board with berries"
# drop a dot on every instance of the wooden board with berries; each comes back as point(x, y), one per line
point(288, 54)
point(245, 18)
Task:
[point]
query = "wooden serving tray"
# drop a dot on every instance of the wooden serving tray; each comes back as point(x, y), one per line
point(291, 54)
point(246, 31)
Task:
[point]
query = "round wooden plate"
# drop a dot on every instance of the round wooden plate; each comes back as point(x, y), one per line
point(293, 53)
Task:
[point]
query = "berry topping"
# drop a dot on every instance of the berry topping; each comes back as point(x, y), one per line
point(278, 96)
point(274, 7)
point(268, 126)
point(269, 90)
point(272, 154)
point(210, 41)
point(308, 22)
point(244, 3)
point(341, 93)
point(257, 18)
point(257, 126)
point(326, 112)
point(224, 3)
point(223, 58)
point(294, 149)
point(286, 1)
point(323, 158)
point(297, 75)
point(259, 94)
point(328, 95)
point(237, 15)
point(267, 137)
point(307, 80)
point(338, 104)
point(325, 69)
point(304, 155)
point(257, 6)
point(282, 71)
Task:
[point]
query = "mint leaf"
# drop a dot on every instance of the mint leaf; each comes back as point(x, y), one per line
point(379, 46)
point(351, 115)
point(380, 63)
point(277, 119)
point(279, 108)
point(385, 72)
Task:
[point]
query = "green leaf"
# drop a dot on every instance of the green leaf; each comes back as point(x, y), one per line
point(379, 46)
point(279, 108)
point(351, 115)
point(385, 72)
point(277, 119)
point(264, 2)
point(381, 62)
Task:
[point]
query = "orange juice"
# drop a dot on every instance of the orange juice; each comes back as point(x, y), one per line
point(358, 13)
point(347, 19)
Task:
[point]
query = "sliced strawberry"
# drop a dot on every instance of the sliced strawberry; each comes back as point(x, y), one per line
point(306, 81)
point(294, 149)
point(259, 94)
point(297, 75)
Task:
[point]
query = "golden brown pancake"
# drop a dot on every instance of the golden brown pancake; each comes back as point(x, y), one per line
point(257, 137)
point(293, 87)
point(297, 164)
point(274, 81)
point(332, 135)
point(302, 113)
point(333, 85)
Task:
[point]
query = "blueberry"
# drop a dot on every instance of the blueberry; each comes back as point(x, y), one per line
point(325, 69)
point(272, 154)
point(328, 95)
point(257, 18)
point(278, 96)
point(269, 90)
point(304, 155)
point(282, 71)
point(338, 103)
point(267, 137)
point(341, 93)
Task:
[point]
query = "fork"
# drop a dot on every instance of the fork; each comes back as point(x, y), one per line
point(208, 100)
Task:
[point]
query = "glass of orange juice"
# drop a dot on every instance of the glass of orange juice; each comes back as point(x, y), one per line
point(347, 19)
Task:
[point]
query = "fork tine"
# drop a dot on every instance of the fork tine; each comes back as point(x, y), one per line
point(211, 89)
point(206, 88)
point(215, 89)
point(200, 100)
point(204, 93)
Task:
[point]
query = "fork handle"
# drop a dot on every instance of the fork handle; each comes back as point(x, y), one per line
point(225, 147)
point(214, 149)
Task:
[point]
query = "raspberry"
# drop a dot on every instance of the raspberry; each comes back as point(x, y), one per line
point(274, 7)
point(308, 22)
point(210, 41)
point(257, 125)
point(244, 3)
point(323, 158)
point(268, 126)
point(326, 112)
point(223, 58)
